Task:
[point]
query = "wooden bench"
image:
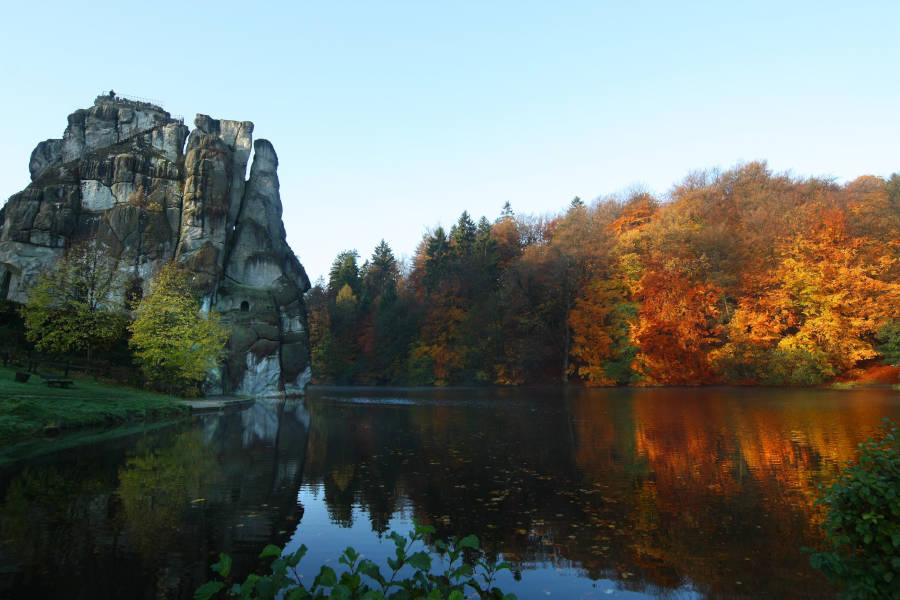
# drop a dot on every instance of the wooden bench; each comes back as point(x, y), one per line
point(57, 381)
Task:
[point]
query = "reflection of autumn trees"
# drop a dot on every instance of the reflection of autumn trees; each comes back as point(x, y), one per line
point(742, 276)
point(151, 512)
point(37, 502)
point(467, 471)
point(158, 485)
point(656, 489)
point(730, 483)
point(60, 528)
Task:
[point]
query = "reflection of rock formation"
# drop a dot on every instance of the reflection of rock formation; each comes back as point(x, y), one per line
point(122, 174)
point(260, 423)
point(151, 514)
point(663, 491)
point(262, 452)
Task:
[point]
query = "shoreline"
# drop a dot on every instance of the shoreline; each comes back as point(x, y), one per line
point(33, 409)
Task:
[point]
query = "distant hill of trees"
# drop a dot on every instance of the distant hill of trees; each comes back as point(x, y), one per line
point(741, 277)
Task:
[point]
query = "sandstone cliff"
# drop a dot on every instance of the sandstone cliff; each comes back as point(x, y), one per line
point(123, 174)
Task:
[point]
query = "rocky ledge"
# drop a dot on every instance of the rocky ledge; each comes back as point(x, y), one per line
point(123, 174)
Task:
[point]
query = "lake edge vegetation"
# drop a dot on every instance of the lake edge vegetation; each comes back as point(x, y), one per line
point(85, 314)
point(31, 408)
point(76, 320)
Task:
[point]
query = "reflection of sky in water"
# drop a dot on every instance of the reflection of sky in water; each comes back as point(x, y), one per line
point(452, 397)
point(365, 400)
point(666, 493)
point(326, 541)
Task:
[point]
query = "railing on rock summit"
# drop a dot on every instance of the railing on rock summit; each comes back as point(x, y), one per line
point(114, 96)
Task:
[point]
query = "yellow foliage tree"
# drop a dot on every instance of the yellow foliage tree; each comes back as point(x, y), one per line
point(595, 326)
point(76, 305)
point(176, 344)
point(827, 298)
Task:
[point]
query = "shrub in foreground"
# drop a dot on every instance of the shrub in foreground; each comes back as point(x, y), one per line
point(862, 524)
point(468, 568)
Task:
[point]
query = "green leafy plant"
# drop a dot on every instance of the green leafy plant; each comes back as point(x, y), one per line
point(889, 336)
point(468, 567)
point(174, 341)
point(862, 523)
point(75, 305)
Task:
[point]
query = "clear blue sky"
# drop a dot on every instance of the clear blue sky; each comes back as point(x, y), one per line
point(390, 117)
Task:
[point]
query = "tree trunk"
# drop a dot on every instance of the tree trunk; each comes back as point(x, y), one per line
point(566, 333)
point(565, 362)
point(90, 362)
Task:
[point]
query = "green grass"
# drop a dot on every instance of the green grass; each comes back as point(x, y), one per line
point(843, 385)
point(34, 408)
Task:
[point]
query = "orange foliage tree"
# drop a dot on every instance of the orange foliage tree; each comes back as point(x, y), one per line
point(599, 323)
point(677, 326)
point(742, 276)
point(819, 310)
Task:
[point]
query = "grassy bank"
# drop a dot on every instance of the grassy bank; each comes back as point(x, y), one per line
point(872, 376)
point(34, 408)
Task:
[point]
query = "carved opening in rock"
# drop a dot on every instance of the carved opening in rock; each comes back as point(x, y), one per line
point(4, 284)
point(245, 306)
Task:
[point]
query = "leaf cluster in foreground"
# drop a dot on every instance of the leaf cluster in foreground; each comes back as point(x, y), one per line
point(862, 523)
point(467, 568)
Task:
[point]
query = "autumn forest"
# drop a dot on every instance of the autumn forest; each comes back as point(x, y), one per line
point(738, 277)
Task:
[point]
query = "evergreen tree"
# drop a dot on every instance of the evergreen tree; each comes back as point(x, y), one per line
point(381, 272)
point(344, 271)
point(463, 233)
point(437, 250)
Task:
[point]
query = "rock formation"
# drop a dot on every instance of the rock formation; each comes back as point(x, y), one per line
point(123, 175)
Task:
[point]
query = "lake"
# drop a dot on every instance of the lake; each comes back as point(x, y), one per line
point(623, 493)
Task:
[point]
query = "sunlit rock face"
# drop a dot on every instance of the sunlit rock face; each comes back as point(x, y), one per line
point(129, 175)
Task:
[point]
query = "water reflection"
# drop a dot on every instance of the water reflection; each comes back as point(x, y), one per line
point(590, 493)
point(145, 516)
point(688, 492)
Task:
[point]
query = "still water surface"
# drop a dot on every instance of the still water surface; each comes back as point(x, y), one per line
point(660, 493)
